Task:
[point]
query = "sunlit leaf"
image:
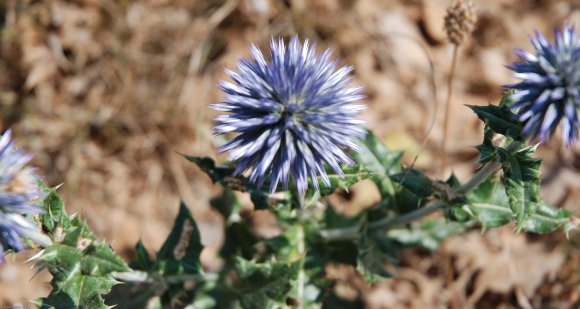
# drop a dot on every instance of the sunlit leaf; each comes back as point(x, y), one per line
point(489, 204)
point(80, 264)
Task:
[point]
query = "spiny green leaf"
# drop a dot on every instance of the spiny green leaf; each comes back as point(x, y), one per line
point(78, 291)
point(239, 241)
point(499, 119)
point(351, 176)
point(264, 285)
point(218, 174)
point(522, 176)
point(333, 220)
point(487, 149)
point(384, 163)
point(54, 215)
point(179, 255)
point(81, 265)
point(547, 218)
point(64, 258)
point(521, 200)
point(416, 182)
point(375, 157)
point(321, 253)
point(501, 127)
point(100, 260)
point(489, 204)
point(226, 204)
point(223, 176)
point(143, 261)
point(260, 200)
point(182, 248)
point(374, 251)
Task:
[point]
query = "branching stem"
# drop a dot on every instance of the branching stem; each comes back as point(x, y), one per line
point(352, 233)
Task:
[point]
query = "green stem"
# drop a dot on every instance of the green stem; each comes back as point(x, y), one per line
point(146, 277)
point(487, 170)
point(39, 238)
point(352, 233)
point(299, 214)
point(301, 250)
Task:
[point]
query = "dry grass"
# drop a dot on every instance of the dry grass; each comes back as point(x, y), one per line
point(105, 92)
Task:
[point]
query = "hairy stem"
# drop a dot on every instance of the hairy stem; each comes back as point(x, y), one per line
point(486, 171)
point(443, 148)
point(138, 276)
point(301, 281)
point(41, 239)
point(300, 214)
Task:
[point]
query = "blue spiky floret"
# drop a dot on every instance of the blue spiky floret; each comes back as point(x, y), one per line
point(294, 115)
point(18, 190)
point(549, 91)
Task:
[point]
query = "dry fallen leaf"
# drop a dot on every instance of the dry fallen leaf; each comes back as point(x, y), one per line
point(504, 261)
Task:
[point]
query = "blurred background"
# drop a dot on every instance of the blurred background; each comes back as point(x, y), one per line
point(104, 93)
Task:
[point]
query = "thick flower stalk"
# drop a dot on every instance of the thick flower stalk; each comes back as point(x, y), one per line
point(549, 91)
point(294, 115)
point(18, 190)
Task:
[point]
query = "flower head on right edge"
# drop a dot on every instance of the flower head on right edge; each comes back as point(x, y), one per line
point(549, 91)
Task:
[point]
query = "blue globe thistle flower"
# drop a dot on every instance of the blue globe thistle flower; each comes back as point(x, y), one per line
point(18, 189)
point(549, 91)
point(294, 115)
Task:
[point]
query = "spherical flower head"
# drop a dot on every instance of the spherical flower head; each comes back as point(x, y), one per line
point(18, 190)
point(294, 115)
point(549, 91)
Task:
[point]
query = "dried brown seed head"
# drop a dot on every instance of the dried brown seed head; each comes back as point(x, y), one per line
point(460, 20)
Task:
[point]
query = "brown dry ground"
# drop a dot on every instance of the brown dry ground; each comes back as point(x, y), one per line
point(105, 92)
